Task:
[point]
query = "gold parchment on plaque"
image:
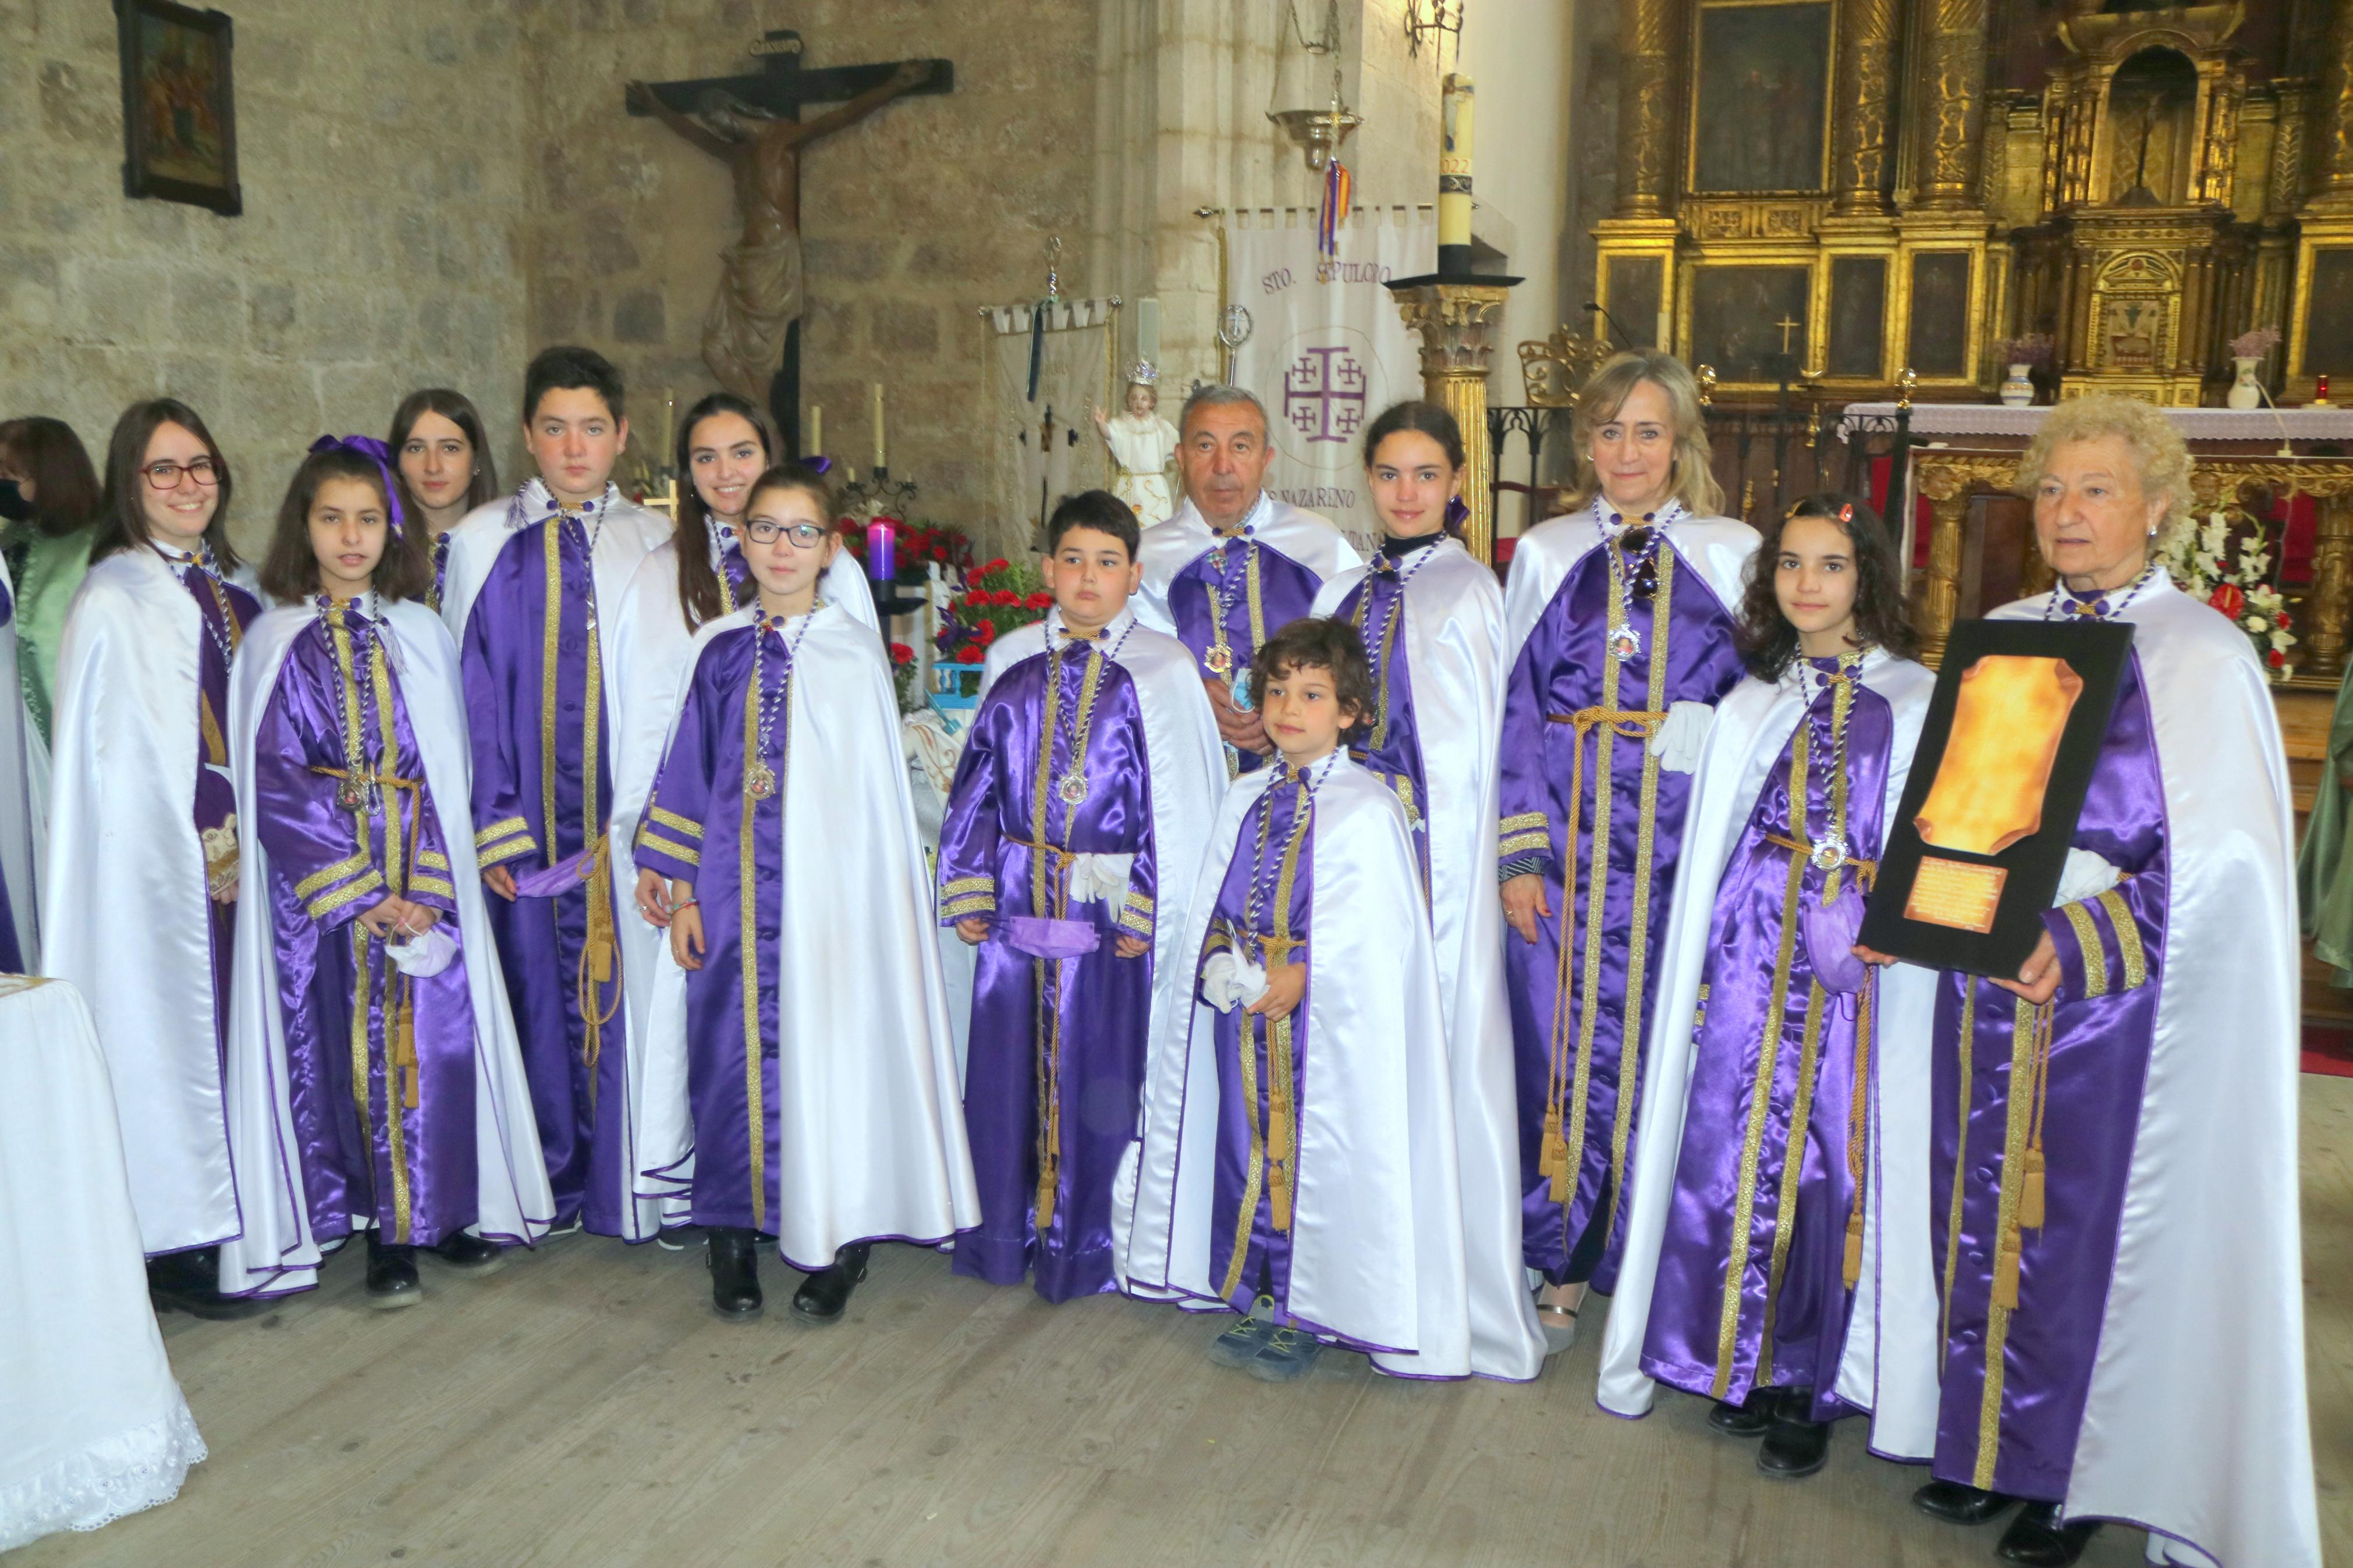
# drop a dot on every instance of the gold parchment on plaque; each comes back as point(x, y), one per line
point(1948, 893)
point(1987, 793)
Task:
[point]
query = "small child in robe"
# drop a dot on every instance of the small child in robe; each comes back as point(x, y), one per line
point(801, 1080)
point(1080, 807)
point(366, 982)
point(1297, 1160)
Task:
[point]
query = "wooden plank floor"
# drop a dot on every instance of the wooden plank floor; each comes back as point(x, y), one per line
point(581, 1407)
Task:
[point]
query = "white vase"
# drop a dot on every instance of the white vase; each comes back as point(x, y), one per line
point(2246, 392)
point(2017, 392)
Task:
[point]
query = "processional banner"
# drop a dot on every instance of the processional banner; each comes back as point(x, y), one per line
point(1044, 377)
point(1327, 349)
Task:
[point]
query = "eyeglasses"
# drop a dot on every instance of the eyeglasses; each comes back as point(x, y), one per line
point(166, 476)
point(766, 530)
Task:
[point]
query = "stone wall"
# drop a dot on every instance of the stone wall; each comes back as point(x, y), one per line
point(912, 219)
point(374, 252)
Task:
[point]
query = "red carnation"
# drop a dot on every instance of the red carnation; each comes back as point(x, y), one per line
point(1038, 601)
point(2276, 659)
point(996, 565)
point(901, 654)
point(988, 630)
point(2229, 598)
point(2280, 620)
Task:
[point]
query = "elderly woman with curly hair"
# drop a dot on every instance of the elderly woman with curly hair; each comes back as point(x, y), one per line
point(2113, 1188)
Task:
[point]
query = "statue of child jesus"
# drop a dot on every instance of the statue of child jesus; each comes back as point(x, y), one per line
point(1141, 443)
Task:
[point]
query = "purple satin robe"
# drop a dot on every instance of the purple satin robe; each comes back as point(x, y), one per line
point(1097, 1008)
point(2017, 1433)
point(1559, 671)
point(1243, 1205)
point(1792, 1264)
point(1286, 591)
point(701, 828)
point(440, 572)
point(366, 1156)
point(529, 755)
point(1391, 749)
point(215, 795)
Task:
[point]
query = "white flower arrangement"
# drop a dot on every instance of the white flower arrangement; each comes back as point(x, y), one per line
point(2226, 562)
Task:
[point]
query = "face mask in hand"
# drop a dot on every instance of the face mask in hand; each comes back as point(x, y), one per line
point(13, 507)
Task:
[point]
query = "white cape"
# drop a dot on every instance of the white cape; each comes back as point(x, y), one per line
point(648, 645)
point(1377, 1228)
point(1892, 1357)
point(277, 1253)
point(1452, 632)
point(1169, 547)
point(870, 1114)
point(24, 797)
point(2195, 1426)
point(1718, 548)
point(124, 913)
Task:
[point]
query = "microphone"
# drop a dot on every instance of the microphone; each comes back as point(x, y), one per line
point(1625, 339)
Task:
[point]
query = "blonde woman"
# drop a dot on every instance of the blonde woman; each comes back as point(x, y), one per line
point(1620, 622)
point(2123, 1331)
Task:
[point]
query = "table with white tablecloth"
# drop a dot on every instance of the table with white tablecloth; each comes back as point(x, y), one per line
point(92, 1424)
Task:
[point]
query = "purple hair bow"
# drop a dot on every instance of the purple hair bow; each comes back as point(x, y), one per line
point(820, 465)
point(1458, 513)
point(376, 452)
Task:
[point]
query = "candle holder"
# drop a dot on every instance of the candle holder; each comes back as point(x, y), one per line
point(878, 495)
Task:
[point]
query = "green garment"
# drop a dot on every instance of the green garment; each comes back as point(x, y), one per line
point(46, 570)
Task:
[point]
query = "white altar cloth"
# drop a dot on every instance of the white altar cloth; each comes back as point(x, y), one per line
point(92, 1424)
point(1935, 421)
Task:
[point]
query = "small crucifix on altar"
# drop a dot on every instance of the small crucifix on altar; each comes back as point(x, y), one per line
point(751, 337)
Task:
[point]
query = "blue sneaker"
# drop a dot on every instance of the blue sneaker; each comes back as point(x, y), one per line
point(1240, 1345)
point(1289, 1354)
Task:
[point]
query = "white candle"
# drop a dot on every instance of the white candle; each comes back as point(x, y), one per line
point(669, 417)
point(817, 431)
point(1147, 328)
point(881, 461)
point(1454, 164)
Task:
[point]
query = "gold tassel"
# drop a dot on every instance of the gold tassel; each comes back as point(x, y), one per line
point(1554, 1161)
point(1852, 1270)
point(2005, 1272)
point(1048, 1180)
point(404, 1050)
point(2029, 1192)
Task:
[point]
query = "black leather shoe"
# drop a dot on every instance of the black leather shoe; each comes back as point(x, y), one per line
point(1794, 1449)
point(824, 1294)
point(392, 1276)
point(734, 1274)
point(1957, 1504)
point(470, 1253)
point(2037, 1539)
point(190, 1282)
point(1749, 1418)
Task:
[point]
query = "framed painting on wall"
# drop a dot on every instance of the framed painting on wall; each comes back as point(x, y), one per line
point(179, 106)
point(1750, 322)
point(1761, 107)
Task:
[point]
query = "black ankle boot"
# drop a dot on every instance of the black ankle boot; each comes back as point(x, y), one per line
point(824, 1294)
point(1796, 1445)
point(1749, 1418)
point(190, 1282)
point(2038, 1540)
point(1957, 1504)
point(391, 1275)
point(734, 1273)
point(470, 1253)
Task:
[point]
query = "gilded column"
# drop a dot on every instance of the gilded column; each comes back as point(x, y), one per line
point(1456, 323)
point(2332, 151)
point(1953, 113)
point(1865, 103)
point(1646, 107)
point(1947, 493)
point(2332, 586)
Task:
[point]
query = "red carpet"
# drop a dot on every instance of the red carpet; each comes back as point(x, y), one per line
point(2328, 1048)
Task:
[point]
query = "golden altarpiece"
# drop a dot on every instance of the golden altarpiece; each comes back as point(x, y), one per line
point(1857, 188)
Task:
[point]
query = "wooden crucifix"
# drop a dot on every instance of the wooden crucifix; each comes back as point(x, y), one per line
point(751, 336)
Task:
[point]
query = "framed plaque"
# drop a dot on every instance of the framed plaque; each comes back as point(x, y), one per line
point(2006, 755)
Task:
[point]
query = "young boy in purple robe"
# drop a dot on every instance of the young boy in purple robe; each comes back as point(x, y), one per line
point(529, 587)
point(1080, 805)
point(800, 1063)
point(1776, 1259)
point(365, 977)
point(1297, 1160)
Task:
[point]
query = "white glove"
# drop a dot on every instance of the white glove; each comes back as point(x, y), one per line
point(1677, 743)
point(1094, 877)
point(2086, 876)
point(1227, 982)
